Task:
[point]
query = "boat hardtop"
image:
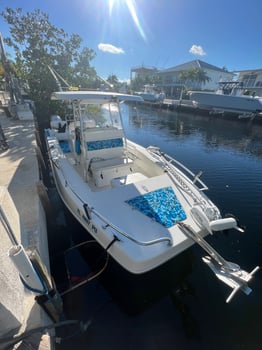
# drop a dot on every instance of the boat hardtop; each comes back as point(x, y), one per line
point(93, 97)
point(141, 205)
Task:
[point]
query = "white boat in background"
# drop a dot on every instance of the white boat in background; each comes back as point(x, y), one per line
point(143, 207)
point(230, 97)
point(21, 111)
point(151, 94)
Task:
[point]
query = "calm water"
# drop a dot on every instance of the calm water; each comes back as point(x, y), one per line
point(168, 310)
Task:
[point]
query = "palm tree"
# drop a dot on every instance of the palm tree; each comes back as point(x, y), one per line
point(193, 75)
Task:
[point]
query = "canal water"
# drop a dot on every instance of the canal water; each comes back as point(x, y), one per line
point(182, 305)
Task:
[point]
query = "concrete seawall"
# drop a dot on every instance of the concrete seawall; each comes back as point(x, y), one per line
point(21, 204)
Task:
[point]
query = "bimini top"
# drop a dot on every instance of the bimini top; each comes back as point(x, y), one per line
point(91, 97)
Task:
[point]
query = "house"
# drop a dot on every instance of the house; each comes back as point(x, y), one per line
point(251, 81)
point(142, 72)
point(171, 84)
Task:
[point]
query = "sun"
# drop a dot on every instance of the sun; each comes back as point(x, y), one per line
point(131, 5)
point(111, 5)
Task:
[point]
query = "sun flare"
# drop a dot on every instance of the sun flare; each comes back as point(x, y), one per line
point(131, 5)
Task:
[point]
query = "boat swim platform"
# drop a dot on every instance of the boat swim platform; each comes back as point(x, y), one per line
point(20, 202)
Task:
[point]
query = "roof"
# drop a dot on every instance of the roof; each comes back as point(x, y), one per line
point(93, 97)
point(193, 64)
point(144, 69)
point(250, 71)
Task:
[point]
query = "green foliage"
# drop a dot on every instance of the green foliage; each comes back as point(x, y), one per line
point(193, 75)
point(83, 74)
point(138, 83)
point(38, 44)
point(113, 79)
point(2, 71)
point(114, 82)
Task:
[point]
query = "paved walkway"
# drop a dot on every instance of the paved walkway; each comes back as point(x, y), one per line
point(19, 174)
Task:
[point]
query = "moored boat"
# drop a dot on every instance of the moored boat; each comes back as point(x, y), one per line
point(141, 205)
point(230, 98)
point(151, 94)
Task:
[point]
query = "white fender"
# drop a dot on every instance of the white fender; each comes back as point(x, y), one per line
point(223, 224)
point(25, 268)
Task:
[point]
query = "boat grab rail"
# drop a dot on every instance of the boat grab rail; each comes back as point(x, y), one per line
point(89, 210)
point(167, 160)
point(126, 235)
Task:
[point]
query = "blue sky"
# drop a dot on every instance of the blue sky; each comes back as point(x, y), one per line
point(157, 33)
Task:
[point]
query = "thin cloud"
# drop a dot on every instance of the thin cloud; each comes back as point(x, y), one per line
point(111, 49)
point(197, 50)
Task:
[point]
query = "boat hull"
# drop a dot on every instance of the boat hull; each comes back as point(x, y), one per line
point(229, 103)
point(135, 259)
point(106, 212)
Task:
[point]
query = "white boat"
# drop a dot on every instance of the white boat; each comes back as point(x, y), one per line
point(21, 111)
point(139, 204)
point(151, 94)
point(229, 98)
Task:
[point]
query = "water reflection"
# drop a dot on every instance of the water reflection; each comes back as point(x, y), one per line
point(240, 135)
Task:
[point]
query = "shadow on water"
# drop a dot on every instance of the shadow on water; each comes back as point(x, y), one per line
point(132, 293)
point(115, 295)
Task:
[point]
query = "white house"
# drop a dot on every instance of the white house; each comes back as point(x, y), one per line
point(171, 83)
point(251, 81)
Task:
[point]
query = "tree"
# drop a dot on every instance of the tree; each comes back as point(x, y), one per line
point(113, 82)
point(113, 79)
point(2, 77)
point(39, 44)
point(193, 75)
point(139, 82)
point(83, 74)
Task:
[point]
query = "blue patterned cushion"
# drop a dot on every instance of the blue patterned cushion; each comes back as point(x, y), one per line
point(102, 144)
point(64, 144)
point(160, 205)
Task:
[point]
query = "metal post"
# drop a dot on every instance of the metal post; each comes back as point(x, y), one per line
point(7, 227)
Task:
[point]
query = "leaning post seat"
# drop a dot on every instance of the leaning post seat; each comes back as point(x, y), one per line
point(106, 154)
point(104, 143)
